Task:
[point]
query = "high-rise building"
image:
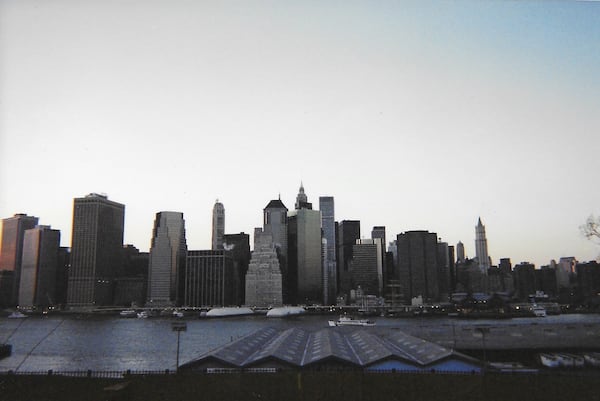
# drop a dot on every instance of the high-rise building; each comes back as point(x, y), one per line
point(366, 266)
point(209, 279)
point(166, 271)
point(39, 267)
point(96, 244)
point(379, 232)
point(218, 225)
point(347, 234)
point(460, 252)
point(264, 279)
point(275, 224)
point(481, 249)
point(305, 272)
point(11, 253)
point(524, 276)
point(327, 209)
point(302, 200)
point(237, 246)
point(418, 270)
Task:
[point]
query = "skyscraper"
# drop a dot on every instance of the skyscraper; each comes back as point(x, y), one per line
point(218, 226)
point(237, 246)
point(39, 267)
point(460, 251)
point(366, 266)
point(327, 208)
point(264, 279)
point(481, 249)
point(347, 234)
point(302, 200)
point(209, 279)
point(275, 224)
point(418, 265)
point(166, 271)
point(305, 269)
point(11, 253)
point(96, 244)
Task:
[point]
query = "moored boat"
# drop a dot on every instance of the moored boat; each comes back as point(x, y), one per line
point(570, 360)
point(538, 311)
point(549, 360)
point(17, 315)
point(350, 321)
point(128, 313)
point(142, 315)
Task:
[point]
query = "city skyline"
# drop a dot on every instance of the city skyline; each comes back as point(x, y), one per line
point(412, 115)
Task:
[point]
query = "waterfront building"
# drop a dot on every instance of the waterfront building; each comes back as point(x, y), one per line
point(62, 274)
point(166, 270)
point(524, 276)
point(481, 248)
point(37, 288)
point(96, 243)
point(11, 254)
point(366, 266)
point(545, 281)
point(264, 278)
point(209, 279)
point(305, 270)
point(445, 261)
point(327, 209)
point(131, 284)
point(565, 272)
point(218, 225)
point(237, 246)
point(347, 234)
point(470, 278)
point(588, 282)
point(418, 270)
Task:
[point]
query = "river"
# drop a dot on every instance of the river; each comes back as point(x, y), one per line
point(66, 343)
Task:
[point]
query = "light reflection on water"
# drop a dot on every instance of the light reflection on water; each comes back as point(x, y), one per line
point(113, 343)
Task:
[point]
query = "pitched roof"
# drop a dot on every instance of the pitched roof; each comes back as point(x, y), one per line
point(276, 204)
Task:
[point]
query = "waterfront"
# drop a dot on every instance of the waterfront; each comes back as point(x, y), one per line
point(85, 342)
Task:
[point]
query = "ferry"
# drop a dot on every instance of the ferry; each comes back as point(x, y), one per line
point(350, 321)
point(128, 313)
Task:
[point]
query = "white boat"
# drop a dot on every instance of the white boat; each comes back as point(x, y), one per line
point(592, 359)
point(128, 313)
point(229, 311)
point(177, 314)
point(538, 311)
point(350, 321)
point(286, 311)
point(549, 360)
point(16, 315)
point(142, 315)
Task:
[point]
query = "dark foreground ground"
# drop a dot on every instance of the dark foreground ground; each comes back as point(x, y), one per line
point(305, 386)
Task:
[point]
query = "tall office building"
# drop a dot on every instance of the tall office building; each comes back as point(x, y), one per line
point(418, 265)
point(218, 225)
point(96, 245)
point(481, 249)
point(166, 271)
point(209, 279)
point(445, 261)
point(347, 234)
point(305, 270)
point(264, 279)
point(275, 224)
point(39, 267)
point(11, 253)
point(460, 252)
point(379, 232)
point(237, 246)
point(366, 266)
point(327, 209)
point(302, 200)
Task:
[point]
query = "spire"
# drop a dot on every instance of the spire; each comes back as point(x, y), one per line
point(479, 222)
point(301, 199)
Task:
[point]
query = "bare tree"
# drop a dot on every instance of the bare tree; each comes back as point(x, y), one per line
point(591, 228)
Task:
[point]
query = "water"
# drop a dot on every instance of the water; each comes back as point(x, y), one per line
point(65, 343)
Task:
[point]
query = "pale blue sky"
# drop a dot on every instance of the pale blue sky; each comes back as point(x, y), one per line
point(413, 115)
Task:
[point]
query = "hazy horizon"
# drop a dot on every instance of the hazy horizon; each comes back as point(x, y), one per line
point(411, 114)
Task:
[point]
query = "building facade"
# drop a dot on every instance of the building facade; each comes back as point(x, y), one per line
point(366, 266)
point(481, 248)
point(166, 270)
point(209, 279)
point(264, 278)
point(237, 246)
point(347, 234)
point(218, 225)
point(418, 265)
point(275, 224)
point(97, 240)
point(11, 254)
point(39, 267)
point(327, 209)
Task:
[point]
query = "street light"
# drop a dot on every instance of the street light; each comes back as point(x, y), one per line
point(178, 327)
point(483, 331)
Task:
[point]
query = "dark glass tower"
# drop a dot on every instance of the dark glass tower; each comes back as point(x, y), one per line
point(96, 244)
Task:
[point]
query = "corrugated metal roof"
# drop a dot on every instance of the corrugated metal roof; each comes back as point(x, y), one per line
point(300, 348)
